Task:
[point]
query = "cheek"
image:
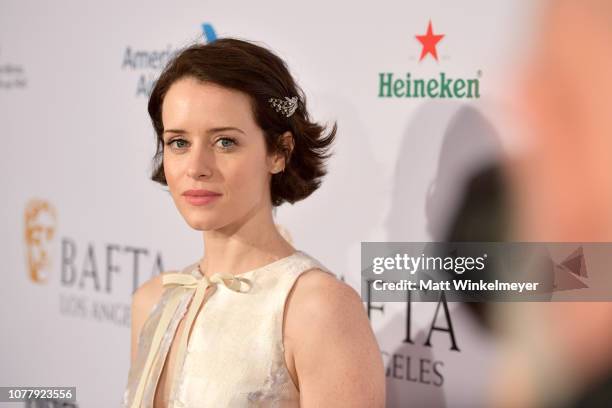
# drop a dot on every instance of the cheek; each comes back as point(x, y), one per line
point(171, 171)
point(246, 177)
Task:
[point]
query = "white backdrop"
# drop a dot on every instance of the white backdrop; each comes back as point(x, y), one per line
point(77, 145)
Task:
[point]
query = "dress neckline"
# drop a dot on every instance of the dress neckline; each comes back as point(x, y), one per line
point(196, 266)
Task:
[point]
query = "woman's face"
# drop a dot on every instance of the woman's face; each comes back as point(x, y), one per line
point(211, 142)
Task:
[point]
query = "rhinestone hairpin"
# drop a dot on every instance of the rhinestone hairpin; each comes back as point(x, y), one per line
point(287, 106)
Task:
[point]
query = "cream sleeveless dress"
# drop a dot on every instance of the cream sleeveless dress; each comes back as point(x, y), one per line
point(235, 355)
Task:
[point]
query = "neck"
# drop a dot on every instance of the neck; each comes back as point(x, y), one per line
point(246, 244)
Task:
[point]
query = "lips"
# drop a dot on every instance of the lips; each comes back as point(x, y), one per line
point(200, 193)
point(200, 197)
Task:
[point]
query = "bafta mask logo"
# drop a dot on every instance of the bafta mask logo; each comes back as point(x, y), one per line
point(40, 222)
point(571, 272)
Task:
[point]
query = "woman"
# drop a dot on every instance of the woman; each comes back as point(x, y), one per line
point(254, 322)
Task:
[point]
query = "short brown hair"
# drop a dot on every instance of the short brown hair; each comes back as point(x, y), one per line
point(255, 70)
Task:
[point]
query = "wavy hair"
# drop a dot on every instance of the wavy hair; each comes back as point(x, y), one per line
point(258, 72)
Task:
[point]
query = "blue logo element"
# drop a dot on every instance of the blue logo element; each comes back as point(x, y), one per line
point(208, 32)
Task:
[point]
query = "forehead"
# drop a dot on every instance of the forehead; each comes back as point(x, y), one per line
point(190, 103)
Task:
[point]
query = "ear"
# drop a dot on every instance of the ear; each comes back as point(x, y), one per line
point(278, 161)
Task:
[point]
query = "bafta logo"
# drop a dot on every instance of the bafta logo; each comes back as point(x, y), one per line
point(40, 221)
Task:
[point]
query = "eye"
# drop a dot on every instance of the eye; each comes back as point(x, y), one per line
point(170, 143)
point(226, 142)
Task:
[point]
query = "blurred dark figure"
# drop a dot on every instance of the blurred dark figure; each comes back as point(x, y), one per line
point(482, 215)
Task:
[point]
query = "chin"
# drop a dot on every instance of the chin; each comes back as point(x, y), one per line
point(203, 223)
point(200, 220)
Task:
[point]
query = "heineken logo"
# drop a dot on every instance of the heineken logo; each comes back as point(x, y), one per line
point(439, 87)
point(429, 42)
point(443, 85)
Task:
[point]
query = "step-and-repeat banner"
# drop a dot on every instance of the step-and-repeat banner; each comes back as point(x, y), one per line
point(416, 87)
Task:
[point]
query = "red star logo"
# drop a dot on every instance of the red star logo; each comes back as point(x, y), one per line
point(429, 42)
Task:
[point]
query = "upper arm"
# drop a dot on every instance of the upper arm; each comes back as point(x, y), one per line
point(143, 301)
point(336, 355)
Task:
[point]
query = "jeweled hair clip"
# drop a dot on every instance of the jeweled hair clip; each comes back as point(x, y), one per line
point(287, 106)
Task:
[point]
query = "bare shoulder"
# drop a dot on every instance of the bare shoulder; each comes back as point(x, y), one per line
point(333, 348)
point(321, 293)
point(325, 303)
point(144, 300)
point(148, 293)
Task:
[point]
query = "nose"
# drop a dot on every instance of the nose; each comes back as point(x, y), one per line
point(201, 161)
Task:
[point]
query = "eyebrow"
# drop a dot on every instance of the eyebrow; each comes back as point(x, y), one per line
point(209, 131)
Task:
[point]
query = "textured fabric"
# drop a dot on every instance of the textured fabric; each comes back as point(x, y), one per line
point(235, 355)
